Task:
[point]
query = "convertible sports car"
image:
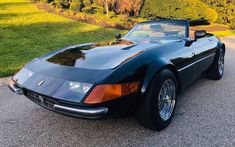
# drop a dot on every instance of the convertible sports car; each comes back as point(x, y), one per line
point(141, 72)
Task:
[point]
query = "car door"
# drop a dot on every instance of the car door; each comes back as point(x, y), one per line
point(204, 53)
point(184, 61)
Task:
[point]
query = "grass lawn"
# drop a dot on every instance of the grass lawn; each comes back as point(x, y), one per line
point(27, 32)
point(224, 33)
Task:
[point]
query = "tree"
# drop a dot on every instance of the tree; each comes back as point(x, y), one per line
point(224, 8)
point(107, 8)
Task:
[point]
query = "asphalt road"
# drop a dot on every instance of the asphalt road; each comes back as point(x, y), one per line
point(205, 116)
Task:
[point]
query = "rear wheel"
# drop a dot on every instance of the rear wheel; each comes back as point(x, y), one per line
point(216, 71)
point(159, 102)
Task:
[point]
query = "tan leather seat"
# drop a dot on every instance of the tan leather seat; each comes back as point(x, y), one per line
point(191, 34)
point(157, 34)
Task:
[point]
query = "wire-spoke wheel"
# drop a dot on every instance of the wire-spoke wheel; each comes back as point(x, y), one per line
point(166, 99)
point(221, 62)
point(158, 105)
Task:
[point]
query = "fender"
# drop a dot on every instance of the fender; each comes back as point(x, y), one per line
point(221, 45)
point(153, 69)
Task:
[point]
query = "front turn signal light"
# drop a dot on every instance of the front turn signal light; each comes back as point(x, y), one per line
point(107, 92)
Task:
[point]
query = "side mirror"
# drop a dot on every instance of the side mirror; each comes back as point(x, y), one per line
point(118, 36)
point(200, 34)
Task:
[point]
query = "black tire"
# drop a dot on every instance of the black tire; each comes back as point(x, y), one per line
point(148, 114)
point(214, 72)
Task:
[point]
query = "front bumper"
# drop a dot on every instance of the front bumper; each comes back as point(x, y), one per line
point(58, 105)
point(15, 88)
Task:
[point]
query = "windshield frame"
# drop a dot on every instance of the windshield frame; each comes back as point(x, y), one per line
point(177, 22)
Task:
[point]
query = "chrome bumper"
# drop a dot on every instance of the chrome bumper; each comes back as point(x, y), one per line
point(15, 88)
point(83, 112)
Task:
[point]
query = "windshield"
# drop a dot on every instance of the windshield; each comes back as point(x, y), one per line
point(157, 32)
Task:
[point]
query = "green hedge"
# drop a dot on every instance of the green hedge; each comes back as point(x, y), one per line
point(193, 10)
point(225, 10)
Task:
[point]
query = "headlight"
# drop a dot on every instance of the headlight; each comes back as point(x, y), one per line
point(72, 91)
point(23, 75)
point(78, 87)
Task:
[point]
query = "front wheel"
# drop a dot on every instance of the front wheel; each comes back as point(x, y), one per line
point(159, 102)
point(216, 71)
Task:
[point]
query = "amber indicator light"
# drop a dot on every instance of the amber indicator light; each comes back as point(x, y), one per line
point(107, 92)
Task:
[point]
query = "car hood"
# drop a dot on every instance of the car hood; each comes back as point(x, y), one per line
point(103, 55)
point(87, 64)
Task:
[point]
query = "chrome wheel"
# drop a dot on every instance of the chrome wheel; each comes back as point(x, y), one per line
point(166, 99)
point(221, 62)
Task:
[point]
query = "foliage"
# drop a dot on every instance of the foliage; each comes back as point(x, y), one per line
point(87, 3)
point(76, 6)
point(88, 9)
point(225, 33)
point(130, 7)
point(232, 25)
point(62, 3)
point(27, 33)
point(193, 10)
point(224, 8)
point(115, 21)
point(127, 7)
point(44, 1)
point(198, 11)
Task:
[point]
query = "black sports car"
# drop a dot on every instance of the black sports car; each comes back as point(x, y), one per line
point(142, 72)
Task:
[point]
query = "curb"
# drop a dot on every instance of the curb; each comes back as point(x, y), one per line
point(4, 81)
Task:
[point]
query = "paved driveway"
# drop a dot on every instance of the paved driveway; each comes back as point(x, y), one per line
point(205, 116)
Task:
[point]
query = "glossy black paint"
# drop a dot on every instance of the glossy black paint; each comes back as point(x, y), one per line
point(120, 61)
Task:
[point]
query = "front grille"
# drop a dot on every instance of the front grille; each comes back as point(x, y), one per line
point(41, 100)
point(64, 107)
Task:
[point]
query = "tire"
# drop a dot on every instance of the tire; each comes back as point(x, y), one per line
point(149, 114)
point(216, 71)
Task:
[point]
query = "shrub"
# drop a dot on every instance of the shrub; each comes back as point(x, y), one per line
point(112, 14)
point(88, 9)
point(87, 3)
point(76, 6)
point(35, 1)
point(62, 3)
point(224, 8)
point(58, 10)
point(52, 5)
point(98, 9)
point(128, 7)
point(44, 1)
point(212, 15)
point(124, 18)
point(232, 24)
point(193, 10)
